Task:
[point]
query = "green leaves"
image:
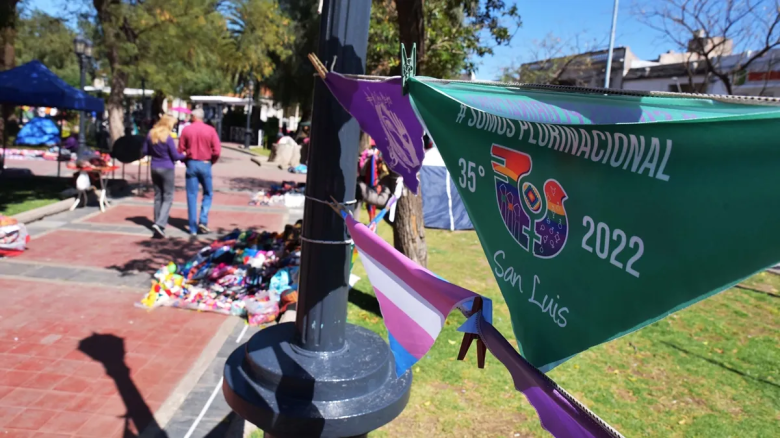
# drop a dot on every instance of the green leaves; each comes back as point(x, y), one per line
point(49, 40)
point(456, 31)
point(258, 32)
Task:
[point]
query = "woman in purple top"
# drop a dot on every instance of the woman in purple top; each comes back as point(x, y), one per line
point(160, 146)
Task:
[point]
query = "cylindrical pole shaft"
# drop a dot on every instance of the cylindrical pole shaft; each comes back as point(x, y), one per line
point(248, 132)
point(219, 121)
point(322, 300)
point(82, 114)
point(611, 44)
point(59, 153)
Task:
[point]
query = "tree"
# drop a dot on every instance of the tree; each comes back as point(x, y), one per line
point(187, 46)
point(408, 226)
point(49, 40)
point(176, 46)
point(260, 35)
point(447, 34)
point(555, 61)
point(8, 17)
point(455, 34)
point(293, 79)
point(707, 30)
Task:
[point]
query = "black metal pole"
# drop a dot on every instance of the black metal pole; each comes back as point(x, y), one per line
point(322, 376)
point(219, 120)
point(59, 152)
point(248, 132)
point(82, 114)
point(146, 106)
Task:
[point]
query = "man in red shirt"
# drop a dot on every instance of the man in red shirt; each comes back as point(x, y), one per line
point(200, 143)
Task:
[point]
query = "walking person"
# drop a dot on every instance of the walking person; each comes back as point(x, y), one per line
point(200, 143)
point(160, 146)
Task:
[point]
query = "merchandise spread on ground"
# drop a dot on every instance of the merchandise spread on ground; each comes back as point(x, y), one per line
point(245, 273)
point(13, 237)
point(289, 194)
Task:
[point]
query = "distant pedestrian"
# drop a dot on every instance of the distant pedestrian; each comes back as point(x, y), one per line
point(160, 146)
point(71, 143)
point(200, 143)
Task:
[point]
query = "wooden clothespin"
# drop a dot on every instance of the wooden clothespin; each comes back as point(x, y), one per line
point(318, 65)
point(339, 208)
point(468, 338)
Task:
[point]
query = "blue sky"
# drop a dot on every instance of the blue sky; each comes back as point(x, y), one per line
point(567, 18)
point(563, 18)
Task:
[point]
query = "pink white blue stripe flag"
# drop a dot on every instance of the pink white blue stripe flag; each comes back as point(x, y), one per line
point(414, 301)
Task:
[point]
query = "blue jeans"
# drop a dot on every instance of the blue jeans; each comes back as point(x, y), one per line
point(198, 173)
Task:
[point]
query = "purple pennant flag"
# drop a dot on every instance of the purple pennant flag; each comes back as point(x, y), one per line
point(559, 412)
point(385, 114)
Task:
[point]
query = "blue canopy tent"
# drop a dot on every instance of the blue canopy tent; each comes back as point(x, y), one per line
point(35, 85)
point(442, 206)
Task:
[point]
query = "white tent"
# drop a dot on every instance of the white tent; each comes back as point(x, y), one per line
point(442, 206)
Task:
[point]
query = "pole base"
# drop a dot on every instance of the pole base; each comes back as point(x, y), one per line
point(290, 392)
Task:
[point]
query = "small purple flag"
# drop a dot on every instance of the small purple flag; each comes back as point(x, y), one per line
point(385, 114)
point(559, 412)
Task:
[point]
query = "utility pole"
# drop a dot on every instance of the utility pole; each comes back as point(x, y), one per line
point(611, 44)
point(248, 132)
point(322, 376)
point(83, 49)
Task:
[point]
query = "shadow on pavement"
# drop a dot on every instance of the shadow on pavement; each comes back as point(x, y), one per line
point(110, 351)
point(146, 221)
point(250, 184)
point(158, 252)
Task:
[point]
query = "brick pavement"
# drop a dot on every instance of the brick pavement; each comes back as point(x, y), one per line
point(83, 361)
point(77, 358)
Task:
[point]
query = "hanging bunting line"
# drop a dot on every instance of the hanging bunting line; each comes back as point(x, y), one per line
point(415, 303)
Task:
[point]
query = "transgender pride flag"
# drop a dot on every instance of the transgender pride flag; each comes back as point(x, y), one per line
point(414, 301)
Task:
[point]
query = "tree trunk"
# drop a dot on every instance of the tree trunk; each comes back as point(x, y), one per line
point(411, 26)
point(7, 55)
point(408, 229)
point(115, 105)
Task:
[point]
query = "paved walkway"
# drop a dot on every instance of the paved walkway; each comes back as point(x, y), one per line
point(77, 358)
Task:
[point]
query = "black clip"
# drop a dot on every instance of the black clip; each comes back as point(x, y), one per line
point(468, 338)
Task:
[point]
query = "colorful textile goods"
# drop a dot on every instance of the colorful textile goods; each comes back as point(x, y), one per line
point(301, 169)
point(13, 237)
point(289, 194)
point(245, 274)
point(51, 154)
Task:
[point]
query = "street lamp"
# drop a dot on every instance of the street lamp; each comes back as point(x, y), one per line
point(248, 132)
point(322, 376)
point(83, 49)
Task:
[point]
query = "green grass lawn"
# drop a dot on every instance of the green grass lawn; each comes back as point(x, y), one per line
point(18, 195)
point(712, 370)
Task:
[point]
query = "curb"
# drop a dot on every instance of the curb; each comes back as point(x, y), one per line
point(169, 407)
point(242, 150)
point(41, 212)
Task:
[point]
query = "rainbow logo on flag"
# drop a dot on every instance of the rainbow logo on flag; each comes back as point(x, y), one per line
point(414, 301)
